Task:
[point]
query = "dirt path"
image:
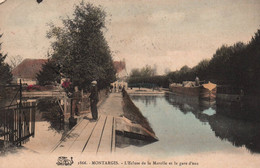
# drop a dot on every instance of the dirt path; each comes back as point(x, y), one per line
point(112, 105)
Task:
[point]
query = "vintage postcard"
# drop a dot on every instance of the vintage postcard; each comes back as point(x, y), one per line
point(129, 83)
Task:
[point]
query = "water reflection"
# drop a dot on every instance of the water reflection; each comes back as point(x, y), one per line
point(187, 125)
point(147, 100)
point(123, 142)
point(190, 104)
point(238, 132)
point(245, 109)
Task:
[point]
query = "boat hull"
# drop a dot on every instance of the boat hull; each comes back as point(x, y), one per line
point(197, 91)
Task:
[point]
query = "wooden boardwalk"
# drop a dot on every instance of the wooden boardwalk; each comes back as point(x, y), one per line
point(89, 136)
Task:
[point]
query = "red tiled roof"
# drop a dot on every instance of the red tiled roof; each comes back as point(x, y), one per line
point(28, 68)
point(119, 66)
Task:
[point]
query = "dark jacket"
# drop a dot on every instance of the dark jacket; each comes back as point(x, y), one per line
point(94, 94)
point(77, 96)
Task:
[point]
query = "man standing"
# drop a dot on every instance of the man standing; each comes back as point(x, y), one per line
point(94, 100)
point(76, 101)
point(197, 81)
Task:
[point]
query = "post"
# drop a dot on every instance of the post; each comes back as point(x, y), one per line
point(71, 101)
point(20, 113)
point(65, 106)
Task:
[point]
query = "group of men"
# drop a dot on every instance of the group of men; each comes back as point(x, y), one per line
point(116, 88)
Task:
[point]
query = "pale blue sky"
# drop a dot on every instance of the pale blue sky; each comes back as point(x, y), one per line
point(168, 33)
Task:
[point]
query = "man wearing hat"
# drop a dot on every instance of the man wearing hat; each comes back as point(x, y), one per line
point(94, 100)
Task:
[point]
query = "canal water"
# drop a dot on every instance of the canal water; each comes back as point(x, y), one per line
point(187, 126)
point(184, 126)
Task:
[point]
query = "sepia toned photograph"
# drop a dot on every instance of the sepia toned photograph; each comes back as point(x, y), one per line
point(129, 83)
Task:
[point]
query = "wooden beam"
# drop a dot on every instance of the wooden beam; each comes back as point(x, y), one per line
point(71, 138)
point(80, 143)
point(94, 140)
point(107, 137)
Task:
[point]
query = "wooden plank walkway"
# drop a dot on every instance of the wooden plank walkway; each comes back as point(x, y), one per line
point(89, 137)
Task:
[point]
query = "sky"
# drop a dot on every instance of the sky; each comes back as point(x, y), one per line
point(166, 34)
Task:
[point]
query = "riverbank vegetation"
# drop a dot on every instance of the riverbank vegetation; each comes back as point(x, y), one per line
point(237, 65)
point(146, 77)
point(5, 72)
point(5, 69)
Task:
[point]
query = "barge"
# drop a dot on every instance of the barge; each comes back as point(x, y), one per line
point(205, 91)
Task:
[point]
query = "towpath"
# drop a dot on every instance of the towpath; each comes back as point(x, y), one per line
point(94, 136)
point(112, 105)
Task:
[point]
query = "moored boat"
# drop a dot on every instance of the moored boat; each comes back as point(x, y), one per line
point(205, 91)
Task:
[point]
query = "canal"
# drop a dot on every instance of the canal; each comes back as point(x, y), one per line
point(184, 126)
point(187, 126)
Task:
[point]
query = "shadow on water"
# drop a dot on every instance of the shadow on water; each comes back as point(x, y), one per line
point(187, 125)
point(123, 142)
point(245, 109)
point(226, 120)
point(239, 133)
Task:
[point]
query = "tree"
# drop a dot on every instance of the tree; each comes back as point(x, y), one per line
point(49, 74)
point(80, 47)
point(201, 69)
point(135, 73)
point(5, 70)
point(251, 65)
point(167, 71)
point(146, 71)
point(226, 65)
point(15, 61)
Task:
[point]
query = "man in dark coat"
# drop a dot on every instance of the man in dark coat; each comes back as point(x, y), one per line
point(76, 102)
point(94, 100)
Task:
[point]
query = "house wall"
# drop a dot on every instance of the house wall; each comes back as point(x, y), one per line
point(26, 81)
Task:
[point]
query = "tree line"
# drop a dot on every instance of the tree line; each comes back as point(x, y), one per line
point(237, 66)
point(147, 77)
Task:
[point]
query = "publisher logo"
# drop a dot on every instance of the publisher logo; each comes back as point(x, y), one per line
point(64, 161)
